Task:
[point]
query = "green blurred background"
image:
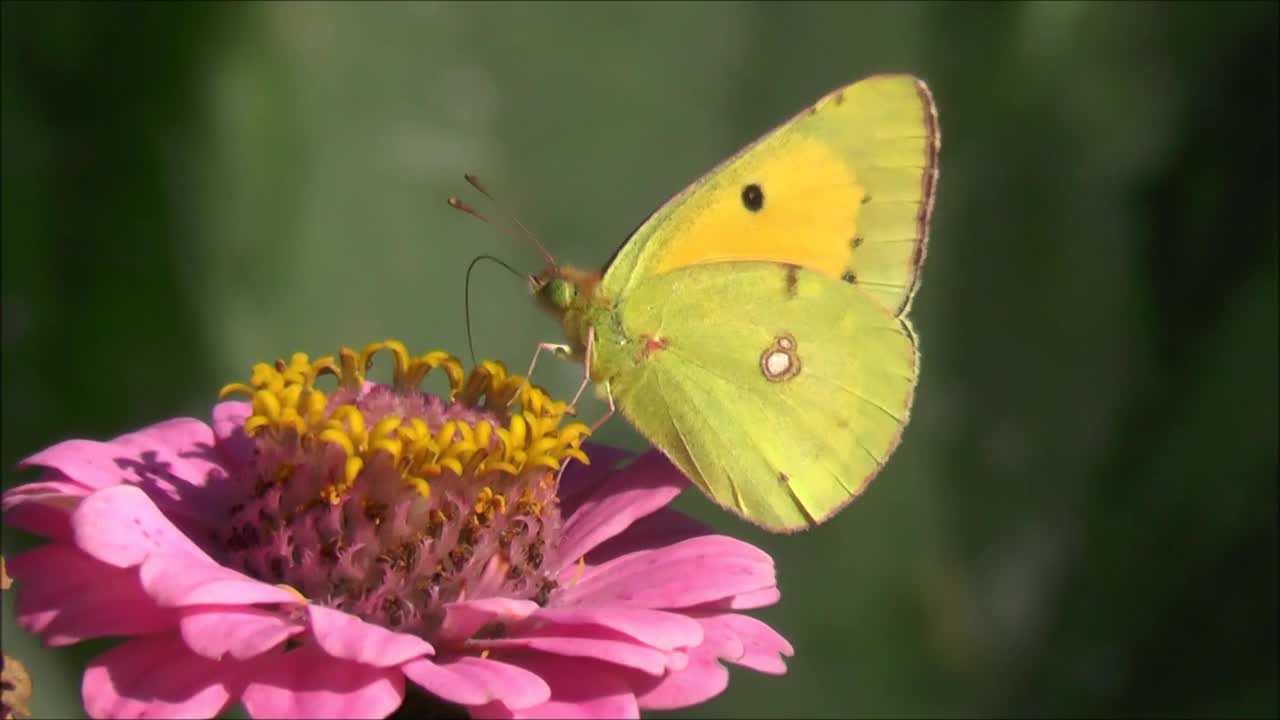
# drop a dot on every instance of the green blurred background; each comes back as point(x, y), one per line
point(1082, 517)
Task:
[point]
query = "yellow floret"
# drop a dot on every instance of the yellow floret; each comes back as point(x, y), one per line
point(523, 431)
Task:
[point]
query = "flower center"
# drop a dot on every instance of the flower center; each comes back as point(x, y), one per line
point(387, 502)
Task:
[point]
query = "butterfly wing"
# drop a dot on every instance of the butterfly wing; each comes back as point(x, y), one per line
point(845, 189)
point(779, 391)
point(766, 305)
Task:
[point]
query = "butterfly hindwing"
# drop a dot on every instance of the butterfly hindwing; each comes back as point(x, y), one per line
point(778, 390)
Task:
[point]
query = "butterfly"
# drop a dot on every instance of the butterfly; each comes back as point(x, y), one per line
point(754, 328)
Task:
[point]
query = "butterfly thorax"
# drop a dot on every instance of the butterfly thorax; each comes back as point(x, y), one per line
point(577, 299)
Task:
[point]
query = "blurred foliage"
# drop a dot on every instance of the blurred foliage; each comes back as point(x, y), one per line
point(1082, 518)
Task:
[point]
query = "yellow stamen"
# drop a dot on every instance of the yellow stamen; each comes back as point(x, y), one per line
point(519, 436)
point(294, 590)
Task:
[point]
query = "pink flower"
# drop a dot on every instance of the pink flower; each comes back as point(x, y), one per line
point(310, 551)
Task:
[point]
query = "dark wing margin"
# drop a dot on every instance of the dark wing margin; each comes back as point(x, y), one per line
point(928, 190)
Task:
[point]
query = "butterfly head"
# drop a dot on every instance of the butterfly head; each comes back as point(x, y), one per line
point(559, 289)
point(558, 293)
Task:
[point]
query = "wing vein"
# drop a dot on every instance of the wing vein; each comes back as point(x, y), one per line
point(693, 457)
point(821, 436)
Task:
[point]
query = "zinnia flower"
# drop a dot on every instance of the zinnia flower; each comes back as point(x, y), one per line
point(310, 551)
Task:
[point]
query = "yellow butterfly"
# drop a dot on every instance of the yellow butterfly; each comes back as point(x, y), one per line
point(755, 328)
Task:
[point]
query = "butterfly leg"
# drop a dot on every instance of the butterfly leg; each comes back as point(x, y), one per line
point(586, 379)
point(608, 391)
point(586, 366)
point(561, 350)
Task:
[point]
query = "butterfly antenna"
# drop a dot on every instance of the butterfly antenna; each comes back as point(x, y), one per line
point(458, 204)
point(466, 295)
point(511, 220)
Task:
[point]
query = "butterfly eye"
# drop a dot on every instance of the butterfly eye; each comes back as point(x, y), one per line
point(560, 292)
point(753, 197)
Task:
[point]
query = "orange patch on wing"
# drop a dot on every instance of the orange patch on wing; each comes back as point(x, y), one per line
point(810, 209)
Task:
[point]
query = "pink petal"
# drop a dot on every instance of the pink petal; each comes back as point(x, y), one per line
point(121, 526)
point(677, 660)
point(585, 643)
point(184, 581)
point(477, 681)
point(643, 487)
point(745, 601)
point(44, 508)
point(157, 676)
point(662, 630)
point(228, 427)
point(158, 458)
point(690, 572)
point(721, 641)
point(736, 638)
point(763, 646)
point(579, 480)
point(66, 596)
point(173, 460)
point(84, 461)
point(308, 683)
point(703, 679)
point(463, 619)
point(663, 527)
point(51, 484)
point(52, 475)
point(239, 631)
point(348, 637)
point(579, 689)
